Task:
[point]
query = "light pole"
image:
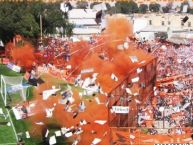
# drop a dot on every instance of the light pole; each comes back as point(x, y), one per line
point(40, 28)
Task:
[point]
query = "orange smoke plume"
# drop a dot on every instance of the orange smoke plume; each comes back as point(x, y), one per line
point(8, 48)
point(117, 30)
point(23, 55)
point(86, 56)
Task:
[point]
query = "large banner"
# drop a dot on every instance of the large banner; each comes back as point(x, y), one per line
point(120, 109)
point(89, 70)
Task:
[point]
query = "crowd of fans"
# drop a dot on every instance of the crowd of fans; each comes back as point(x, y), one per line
point(55, 48)
point(172, 101)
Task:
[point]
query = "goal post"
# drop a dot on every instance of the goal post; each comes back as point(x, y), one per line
point(12, 84)
point(3, 90)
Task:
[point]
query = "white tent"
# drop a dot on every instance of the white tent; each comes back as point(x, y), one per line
point(10, 84)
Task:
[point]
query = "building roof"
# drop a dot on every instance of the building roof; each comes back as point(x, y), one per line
point(154, 29)
point(82, 21)
point(82, 13)
point(85, 31)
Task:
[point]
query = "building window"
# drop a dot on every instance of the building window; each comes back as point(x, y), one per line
point(150, 22)
point(189, 24)
point(169, 22)
point(162, 23)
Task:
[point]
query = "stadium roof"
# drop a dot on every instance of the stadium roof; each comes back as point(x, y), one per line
point(82, 14)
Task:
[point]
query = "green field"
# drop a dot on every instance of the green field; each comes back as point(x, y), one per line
point(6, 71)
point(6, 132)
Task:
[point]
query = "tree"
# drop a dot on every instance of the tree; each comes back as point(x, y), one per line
point(82, 4)
point(51, 20)
point(24, 18)
point(126, 7)
point(7, 25)
point(154, 7)
point(69, 29)
point(112, 10)
point(143, 8)
point(27, 26)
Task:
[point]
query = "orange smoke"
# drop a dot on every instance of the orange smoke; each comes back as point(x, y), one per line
point(23, 55)
point(86, 56)
point(78, 50)
point(117, 30)
point(8, 48)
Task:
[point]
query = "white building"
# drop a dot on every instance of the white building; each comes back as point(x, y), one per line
point(84, 22)
point(149, 24)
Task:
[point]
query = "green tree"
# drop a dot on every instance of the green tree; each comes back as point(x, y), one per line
point(96, 3)
point(27, 26)
point(24, 18)
point(51, 20)
point(143, 8)
point(7, 20)
point(69, 29)
point(112, 10)
point(154, 7)
point(126, 7)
